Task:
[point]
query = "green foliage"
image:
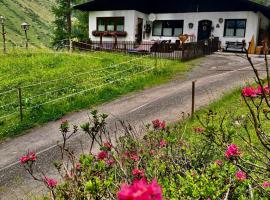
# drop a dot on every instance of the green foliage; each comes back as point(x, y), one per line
point(161, 154)
point(68, 23)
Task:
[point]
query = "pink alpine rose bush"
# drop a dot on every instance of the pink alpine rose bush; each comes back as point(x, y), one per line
point(199, 129)
point(266, 184)
point(249, 92)
point(30, 157)
point(102, 155)
point(157, 124)
point(241, 176)
point(232, 151)
point(51, 183)
point(140, 190)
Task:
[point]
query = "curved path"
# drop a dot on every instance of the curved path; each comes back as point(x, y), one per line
point(215, 75)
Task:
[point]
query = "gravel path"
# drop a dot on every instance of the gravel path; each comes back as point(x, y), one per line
point(215, 75)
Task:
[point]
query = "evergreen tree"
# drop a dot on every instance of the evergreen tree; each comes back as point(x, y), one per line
point(64, 28)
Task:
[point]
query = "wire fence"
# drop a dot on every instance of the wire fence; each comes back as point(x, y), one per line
point(16, 102)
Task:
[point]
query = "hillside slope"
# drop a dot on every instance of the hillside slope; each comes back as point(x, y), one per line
point(35, 12)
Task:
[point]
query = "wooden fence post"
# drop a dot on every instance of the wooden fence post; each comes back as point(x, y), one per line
point(20, 103)
point(155, 58)
point(193, 99)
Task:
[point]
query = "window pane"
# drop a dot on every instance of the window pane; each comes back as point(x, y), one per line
point(230, 24)
point(241, 24)
point(240, 32)
point(229, 32)
point(120, 24)
point(167, 32)
point(110, 25)
point(157, 28)
point(101, 24)
point(120, 28)
point(178, 31)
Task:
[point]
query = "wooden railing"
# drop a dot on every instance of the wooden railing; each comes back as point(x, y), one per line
point(163, 49)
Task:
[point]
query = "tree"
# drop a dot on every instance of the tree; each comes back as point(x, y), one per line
point(64, 28)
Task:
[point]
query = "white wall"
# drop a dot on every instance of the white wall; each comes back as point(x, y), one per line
point(251, 28)
point(131, 16)
point(129, 25)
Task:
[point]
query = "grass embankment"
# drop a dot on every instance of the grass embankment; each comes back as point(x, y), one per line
point(37, 13)
point(54, 84)
point(231, 109)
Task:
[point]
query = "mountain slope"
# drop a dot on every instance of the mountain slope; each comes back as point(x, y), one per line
point(35, 12)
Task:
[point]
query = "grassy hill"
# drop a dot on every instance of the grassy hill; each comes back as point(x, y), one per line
point(35, 12)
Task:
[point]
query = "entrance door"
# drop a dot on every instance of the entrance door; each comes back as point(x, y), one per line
point(139, 33)
point(204, 29)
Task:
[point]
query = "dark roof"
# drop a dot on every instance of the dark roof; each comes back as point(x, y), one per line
point(174, 6)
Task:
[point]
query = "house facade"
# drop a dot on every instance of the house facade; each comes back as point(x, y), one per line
point(229, 20)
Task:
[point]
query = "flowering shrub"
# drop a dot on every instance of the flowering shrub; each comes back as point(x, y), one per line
point(140, 190)
point(232, 151)
point(161, 165)
point(241, 176)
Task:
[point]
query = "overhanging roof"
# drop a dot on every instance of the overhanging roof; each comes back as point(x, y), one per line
point(174, 6)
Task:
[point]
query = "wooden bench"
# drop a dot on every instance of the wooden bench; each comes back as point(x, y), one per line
point(235, 46)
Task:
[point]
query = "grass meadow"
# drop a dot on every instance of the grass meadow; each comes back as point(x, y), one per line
point(230, 111)
point(56, 83)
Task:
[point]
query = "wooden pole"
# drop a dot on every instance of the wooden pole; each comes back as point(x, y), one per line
point(70, 46)
point(20, 103)
point(4, 38)
point(26, 39)
point(193, 99)
point(155, 58)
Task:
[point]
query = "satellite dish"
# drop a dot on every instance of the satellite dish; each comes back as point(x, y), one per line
point(152, 17)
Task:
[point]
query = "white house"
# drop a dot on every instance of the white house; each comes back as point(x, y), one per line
point(148, 20)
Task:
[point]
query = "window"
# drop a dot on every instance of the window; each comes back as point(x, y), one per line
point(110, 24)
point(168, 28)
point(235, 27)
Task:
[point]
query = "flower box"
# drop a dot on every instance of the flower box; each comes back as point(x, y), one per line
point(110, 33)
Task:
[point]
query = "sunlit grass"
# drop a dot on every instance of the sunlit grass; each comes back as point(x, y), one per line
point(55, 83)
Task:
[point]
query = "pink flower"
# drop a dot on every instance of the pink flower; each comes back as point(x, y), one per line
point(241, 176)
point(249, 92)
point(52, 183)
point(110, 162)
point(232, 151)
point(108, 146)
point(102, 155)
point(29, 157)
point(140, 190)
point(162, 143)
point(218, 162)
point(266, 184)
point(199, 130)
point(157, 124)
point(152, 152)
point(162, 125)
point(259, 90)
point(78, 166)
point(134, 157)
point(138, 172)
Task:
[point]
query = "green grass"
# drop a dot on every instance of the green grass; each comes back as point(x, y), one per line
point(233, 107)
point(35, 12)
point(45, 76)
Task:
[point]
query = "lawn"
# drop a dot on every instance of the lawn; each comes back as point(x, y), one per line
point(56, 83)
